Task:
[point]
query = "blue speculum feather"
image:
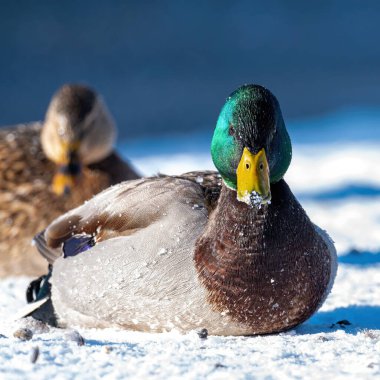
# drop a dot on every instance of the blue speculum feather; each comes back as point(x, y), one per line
point(77, 244)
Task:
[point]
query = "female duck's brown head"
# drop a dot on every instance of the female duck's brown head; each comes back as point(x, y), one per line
point(78, 131)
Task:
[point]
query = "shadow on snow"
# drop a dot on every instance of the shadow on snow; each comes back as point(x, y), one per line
point(360, 317)
point(360, 258)
point(347, 191)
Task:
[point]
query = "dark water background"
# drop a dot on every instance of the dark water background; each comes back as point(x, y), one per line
point(167, 66)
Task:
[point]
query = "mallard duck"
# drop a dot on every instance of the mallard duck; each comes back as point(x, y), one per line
point(232, 252)
point(48, 168)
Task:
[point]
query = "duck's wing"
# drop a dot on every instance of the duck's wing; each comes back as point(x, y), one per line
point(121, 210)
point(211, 183)
point(206, 178)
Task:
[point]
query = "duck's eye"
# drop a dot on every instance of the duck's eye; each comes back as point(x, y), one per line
point(231, 130)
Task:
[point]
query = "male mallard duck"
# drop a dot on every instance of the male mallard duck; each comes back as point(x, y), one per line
point(236, 255)
point(47, 169)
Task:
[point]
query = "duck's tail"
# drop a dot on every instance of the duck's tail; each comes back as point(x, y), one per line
point(50, 254)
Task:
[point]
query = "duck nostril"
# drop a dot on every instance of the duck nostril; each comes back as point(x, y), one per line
point(261, 166)
point(247, 166)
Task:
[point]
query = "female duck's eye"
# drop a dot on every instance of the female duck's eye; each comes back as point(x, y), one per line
point(231, 130)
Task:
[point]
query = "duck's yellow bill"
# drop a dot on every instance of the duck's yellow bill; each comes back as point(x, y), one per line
point(65, 152)
point(63, 183)
point(69, 169)
point(253, 185)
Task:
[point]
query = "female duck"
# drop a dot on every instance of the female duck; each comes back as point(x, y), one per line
point(236, 255)
point(47, 169)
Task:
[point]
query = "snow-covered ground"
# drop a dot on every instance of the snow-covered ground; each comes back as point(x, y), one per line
point(338, 183)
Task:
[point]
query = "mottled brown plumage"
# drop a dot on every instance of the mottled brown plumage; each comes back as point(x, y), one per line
point(27, 203)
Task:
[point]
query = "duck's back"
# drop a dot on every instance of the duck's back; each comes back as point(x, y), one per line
point(27, 203)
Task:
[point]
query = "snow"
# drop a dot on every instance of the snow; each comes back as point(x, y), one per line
point(338, 183)
point(314, 350)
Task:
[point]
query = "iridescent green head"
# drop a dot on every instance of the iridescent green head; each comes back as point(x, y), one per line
point(251, 146)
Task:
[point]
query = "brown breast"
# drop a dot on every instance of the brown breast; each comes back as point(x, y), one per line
point(267, 268)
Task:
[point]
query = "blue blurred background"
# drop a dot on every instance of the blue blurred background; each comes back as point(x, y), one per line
point(167, 66)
